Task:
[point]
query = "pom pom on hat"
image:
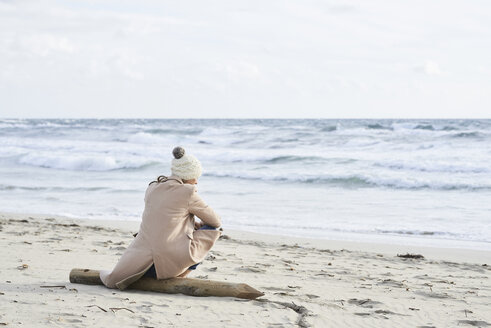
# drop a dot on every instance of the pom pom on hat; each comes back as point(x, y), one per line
point(186, 167)
point(178, 152)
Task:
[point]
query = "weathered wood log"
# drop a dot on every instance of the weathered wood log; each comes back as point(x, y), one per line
point(187, 286)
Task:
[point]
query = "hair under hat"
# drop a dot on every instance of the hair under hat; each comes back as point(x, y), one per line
point(186, 167)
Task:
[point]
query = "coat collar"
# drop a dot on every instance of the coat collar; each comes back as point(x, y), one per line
point(175, 177)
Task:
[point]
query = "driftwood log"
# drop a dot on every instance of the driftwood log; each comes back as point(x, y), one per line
point(187, 286)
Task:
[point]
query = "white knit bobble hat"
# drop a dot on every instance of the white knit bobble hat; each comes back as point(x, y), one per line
point(184, 166)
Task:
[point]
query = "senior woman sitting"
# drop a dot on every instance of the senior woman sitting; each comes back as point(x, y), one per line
point(169, 242)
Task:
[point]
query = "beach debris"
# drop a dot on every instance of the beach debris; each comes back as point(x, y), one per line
point(202, 276)
point(114, 309)
point(186, 286)
point(384, 312)
point(366, 303)
point(224, 237)
point(277, 289)
point(391, 283)
point(250, 269)
point(289, 262)
point(300, 309)
point(311, 296)
point(19, 221)
point(411, 256)
point(433, 294)
point(97, 307)
point(475, 323)
point(284, 294)
point(212, 269)
point(54, 286)
point(22, 267)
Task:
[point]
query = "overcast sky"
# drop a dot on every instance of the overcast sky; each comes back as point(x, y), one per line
point(250, 58)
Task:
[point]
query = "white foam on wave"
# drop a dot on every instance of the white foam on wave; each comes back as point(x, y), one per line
point(148, 138)
point(434, 166)
point(79, 162)
point(333, 181)
point(355, 180)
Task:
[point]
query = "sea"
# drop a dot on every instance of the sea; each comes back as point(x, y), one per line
point(407, 182)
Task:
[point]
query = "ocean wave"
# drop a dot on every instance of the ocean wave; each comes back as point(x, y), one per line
point(449, 128)
point(434, 167)
point(27, 188)
point(327, 229)
point(414, 126)
point(378, 126)
point(56, 188)
point(148, 138)
point(329, 128)
point(182, 131)
point(415, 232)
point(82, 163)
point(291, 158)
point(474, 134)
point(428, 127)
point(357, 181)
point(285, 140)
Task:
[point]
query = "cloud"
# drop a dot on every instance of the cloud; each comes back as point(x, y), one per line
point(275, 56)
point(429, 68)
point(242, 69)
point(45, 45)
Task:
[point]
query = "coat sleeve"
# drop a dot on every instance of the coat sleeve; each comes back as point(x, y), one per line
point(199, 208)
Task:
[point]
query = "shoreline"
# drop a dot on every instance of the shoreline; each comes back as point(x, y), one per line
point(455, 254)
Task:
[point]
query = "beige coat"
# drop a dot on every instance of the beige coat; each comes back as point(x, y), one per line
point(166, 237)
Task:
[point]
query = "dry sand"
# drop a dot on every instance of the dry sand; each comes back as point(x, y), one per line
point(306, 282)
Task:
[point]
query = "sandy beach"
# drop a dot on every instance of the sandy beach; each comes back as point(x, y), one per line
point(307, 282)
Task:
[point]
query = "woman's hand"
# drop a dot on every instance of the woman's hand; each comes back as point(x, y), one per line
point(197, 224)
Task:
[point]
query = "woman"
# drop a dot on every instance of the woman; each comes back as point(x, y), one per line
point(167, 244)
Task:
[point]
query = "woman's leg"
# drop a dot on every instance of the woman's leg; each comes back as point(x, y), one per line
point(194, 266)
point(151, 272)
